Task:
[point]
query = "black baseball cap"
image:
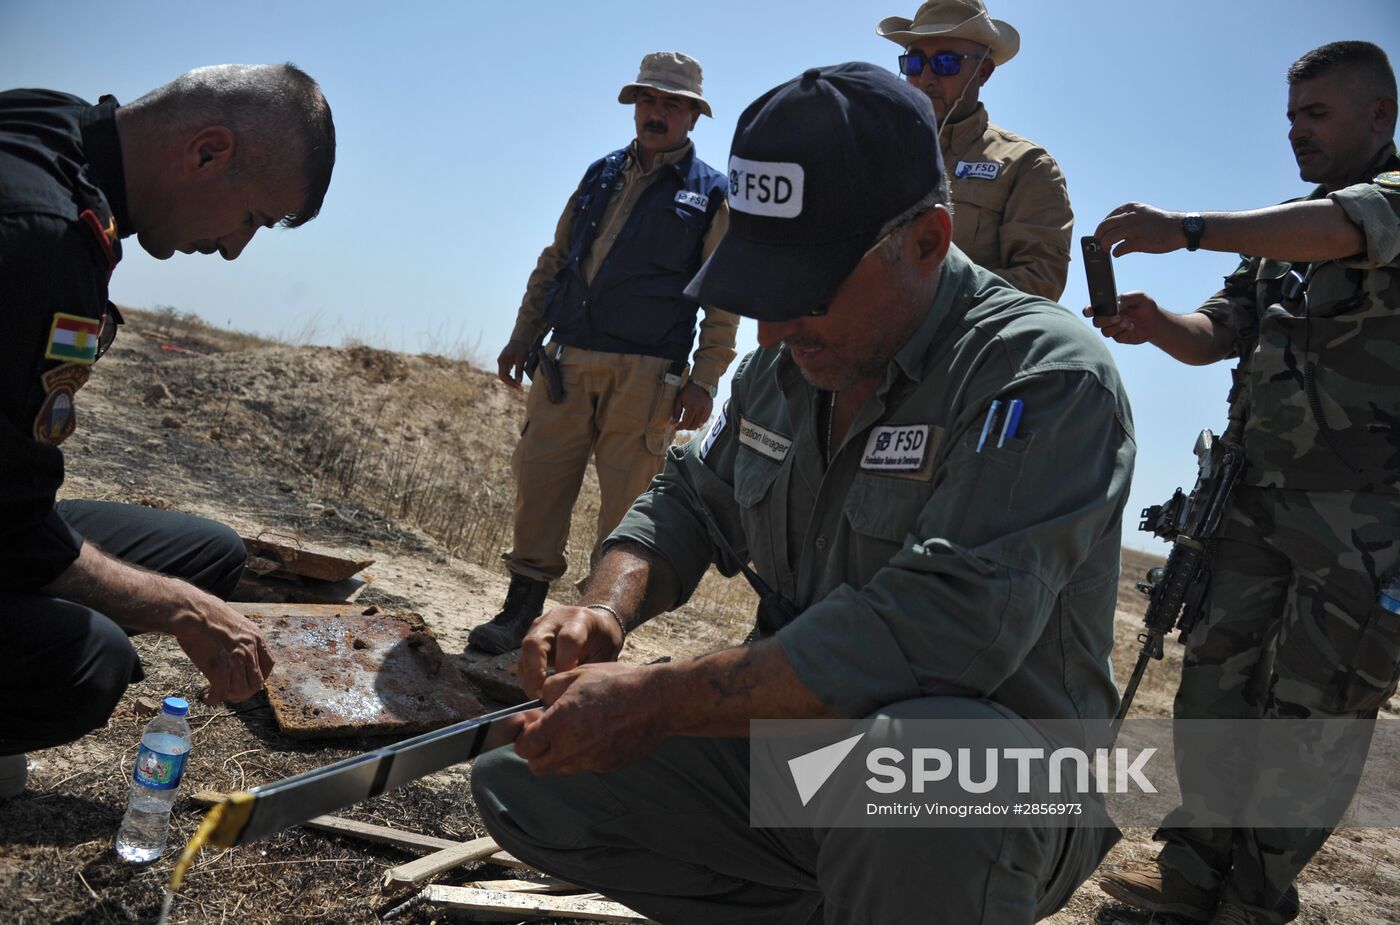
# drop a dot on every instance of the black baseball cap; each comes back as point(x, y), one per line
point(817, 167)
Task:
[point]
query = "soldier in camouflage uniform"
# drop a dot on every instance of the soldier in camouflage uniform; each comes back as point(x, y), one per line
point(1294, 628)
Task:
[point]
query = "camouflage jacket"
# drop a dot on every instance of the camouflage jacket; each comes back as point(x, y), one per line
point(1319, 348)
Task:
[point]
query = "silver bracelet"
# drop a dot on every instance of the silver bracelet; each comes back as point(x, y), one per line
point(620, 625)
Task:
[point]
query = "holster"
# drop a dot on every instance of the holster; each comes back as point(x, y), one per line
point(539, 361)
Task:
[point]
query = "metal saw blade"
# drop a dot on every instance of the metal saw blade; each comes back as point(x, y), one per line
point(268, 809)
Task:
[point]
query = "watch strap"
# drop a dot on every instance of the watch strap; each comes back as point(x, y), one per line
point(1193, 226)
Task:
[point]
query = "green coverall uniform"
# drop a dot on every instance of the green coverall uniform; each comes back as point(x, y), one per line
point(944, 583)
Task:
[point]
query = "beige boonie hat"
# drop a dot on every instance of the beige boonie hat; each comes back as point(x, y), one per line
point(669, 72)
point(959, 19)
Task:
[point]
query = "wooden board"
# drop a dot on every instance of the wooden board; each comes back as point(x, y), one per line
point(560, 907)
point(425, 868)
point(267, 556)
point(350, 670)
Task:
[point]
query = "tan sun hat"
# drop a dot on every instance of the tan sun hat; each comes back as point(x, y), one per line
point(959, 19)
point(669, 72)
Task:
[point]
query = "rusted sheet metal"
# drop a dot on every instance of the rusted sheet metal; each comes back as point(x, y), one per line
point(357, 671)
point(268, 557)
point(494, 675)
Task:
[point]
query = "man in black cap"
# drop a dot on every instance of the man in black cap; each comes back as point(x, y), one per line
point(933, 572)
point(199, 164)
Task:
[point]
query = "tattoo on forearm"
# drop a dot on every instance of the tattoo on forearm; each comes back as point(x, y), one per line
point(736, 681)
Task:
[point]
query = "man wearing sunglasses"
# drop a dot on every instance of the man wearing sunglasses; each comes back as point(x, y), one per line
point(1011, 211)
point(200, 164)
point(612, 381)
point(933, 574)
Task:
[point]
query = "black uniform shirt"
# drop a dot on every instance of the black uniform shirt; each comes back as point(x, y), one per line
point(62, 203)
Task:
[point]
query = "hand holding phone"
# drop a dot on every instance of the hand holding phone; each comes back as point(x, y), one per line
point(1098, 269)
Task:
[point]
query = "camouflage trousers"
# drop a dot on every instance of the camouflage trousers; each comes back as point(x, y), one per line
point(1293, 630)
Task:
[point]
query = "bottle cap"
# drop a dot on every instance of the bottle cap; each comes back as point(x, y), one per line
point(175, 706)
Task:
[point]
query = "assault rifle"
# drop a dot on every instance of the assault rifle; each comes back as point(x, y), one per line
point(1177, 592)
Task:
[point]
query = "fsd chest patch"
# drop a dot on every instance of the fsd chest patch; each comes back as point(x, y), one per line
point(699, 200)
point(57, 417)
point(1390, 179)
point(978, 170)
point(901, 448)
point(763, 441)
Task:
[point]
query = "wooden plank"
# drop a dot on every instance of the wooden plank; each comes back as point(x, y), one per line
point(564, 907)
point(365, 831)
point(298, 559)
point(379, 834)
point(415, 872)
point(545, 885)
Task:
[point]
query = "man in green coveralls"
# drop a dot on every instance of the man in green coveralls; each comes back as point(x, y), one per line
point(934, 575)
point(1313, 527)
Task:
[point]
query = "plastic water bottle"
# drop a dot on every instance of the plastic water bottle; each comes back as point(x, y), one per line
point(1390, 593)
point(160, 763)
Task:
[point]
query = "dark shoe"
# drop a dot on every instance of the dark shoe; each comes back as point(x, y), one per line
point(1231, 914)
point(14, 771)
point(1159, 889)
point(524, 602)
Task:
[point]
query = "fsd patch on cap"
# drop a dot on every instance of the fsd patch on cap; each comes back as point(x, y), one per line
point(817, 167)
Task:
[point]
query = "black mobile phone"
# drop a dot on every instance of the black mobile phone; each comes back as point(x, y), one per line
point(1098, 269)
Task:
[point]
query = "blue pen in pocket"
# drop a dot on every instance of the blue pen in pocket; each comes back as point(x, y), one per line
point(988, 423)
point(1012, 422)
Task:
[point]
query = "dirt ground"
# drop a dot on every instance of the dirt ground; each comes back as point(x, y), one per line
point(404, 459)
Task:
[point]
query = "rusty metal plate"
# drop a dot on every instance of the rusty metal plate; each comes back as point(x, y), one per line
point(356, 671)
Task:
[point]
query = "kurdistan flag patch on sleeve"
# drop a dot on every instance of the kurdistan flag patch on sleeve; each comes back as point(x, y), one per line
point(73, 339)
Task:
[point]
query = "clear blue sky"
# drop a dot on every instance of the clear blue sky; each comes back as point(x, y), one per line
point(464, 126)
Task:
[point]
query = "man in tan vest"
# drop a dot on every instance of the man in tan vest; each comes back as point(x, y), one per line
point(1011, 210)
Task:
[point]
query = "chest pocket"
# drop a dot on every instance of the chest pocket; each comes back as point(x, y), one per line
point(978, 208)
point(754, 475)
point(1337, 290)
point(754, 478)
point(883, 511)
point(677, 237)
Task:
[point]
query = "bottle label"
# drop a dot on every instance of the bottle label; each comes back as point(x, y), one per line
point(158, 770)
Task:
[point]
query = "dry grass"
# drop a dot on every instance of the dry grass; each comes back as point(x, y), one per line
point(273, 434)
point(78, 792)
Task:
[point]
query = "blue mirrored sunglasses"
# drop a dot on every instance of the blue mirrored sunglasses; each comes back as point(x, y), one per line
point(942, 63)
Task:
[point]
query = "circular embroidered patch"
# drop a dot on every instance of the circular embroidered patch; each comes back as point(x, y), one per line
point(57, 418)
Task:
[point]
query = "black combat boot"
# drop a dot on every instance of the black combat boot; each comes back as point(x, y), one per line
point(524, 602)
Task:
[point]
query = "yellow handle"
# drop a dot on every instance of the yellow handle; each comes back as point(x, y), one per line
point(221, 827)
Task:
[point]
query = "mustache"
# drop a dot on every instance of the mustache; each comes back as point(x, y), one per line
point(654, 125)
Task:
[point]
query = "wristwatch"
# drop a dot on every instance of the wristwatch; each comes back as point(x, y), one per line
point(712, 389)
point(1193, 225)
